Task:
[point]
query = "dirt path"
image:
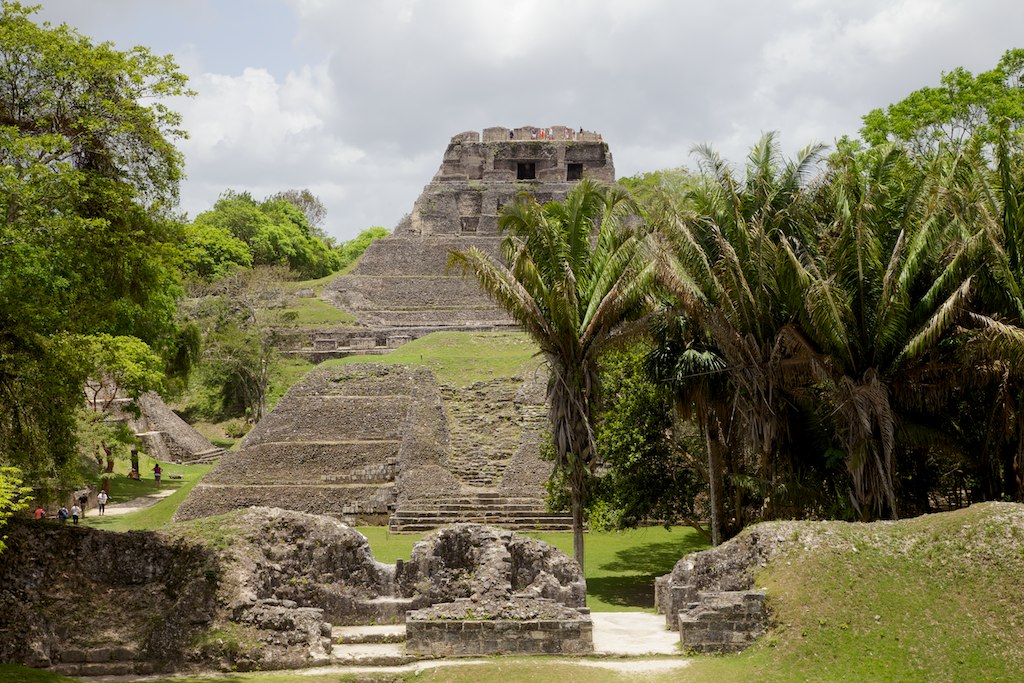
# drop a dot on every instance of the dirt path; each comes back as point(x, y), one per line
point(135, 504)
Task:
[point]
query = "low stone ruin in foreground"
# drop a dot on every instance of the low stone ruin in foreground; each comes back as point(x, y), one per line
point(484, 591)
point(709, 597)
point(262, 588)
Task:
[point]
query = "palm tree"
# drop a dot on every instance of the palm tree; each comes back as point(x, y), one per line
point(577, 274)
point(883, 288)
point(724, 261)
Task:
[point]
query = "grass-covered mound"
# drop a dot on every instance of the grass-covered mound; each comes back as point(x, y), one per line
point(935, 598)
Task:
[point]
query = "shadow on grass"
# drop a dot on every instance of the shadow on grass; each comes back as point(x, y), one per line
point(653, 559)
point(639, 565)
point(623, 591)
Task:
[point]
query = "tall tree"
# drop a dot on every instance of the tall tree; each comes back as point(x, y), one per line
point(310, 206)
point(576, 275)
point(88, 175)
point(725, 263)
point(893, 278)
point(961, 109)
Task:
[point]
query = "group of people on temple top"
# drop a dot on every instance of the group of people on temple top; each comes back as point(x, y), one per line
point(549, 134)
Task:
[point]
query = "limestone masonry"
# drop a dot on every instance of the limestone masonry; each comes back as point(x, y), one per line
point(402, 283)
point(265, 588)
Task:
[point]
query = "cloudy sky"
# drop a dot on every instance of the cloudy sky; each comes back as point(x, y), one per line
point(357, 99)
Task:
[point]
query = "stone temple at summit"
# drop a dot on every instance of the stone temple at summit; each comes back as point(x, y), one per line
point(402, 281)
point(375, 443)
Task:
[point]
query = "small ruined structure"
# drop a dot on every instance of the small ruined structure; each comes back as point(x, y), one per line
point(709, 597)
point(483, 591)
point(402, 288)
point(164, 435)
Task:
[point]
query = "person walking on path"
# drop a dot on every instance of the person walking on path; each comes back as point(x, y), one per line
point(82, 501)
point(101, 500)
point(157, 471)
point(62, 514)
point(75, 512)
point(40, 513)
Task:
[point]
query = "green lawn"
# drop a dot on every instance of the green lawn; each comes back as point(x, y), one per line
point(620, 565)
point(12, 673)
point(461, 358)
point(122, 488)
point(308, 312)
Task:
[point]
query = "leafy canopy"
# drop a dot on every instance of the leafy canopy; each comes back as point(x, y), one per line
point(88, 176)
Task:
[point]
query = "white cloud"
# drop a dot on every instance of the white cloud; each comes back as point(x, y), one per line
point(356, 100)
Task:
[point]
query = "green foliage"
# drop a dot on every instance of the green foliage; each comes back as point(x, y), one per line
point(963, 109)
point(241, 232)
point(239, 350)
point(102, 441)
point(212, 252)
point(121, 365)
point(351, 250)
point(13, 497)
point(578, 272)
point(88, 172)
point(648, 476)
point(311, 207)
point(825, 317)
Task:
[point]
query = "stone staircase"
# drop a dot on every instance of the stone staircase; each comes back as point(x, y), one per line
point(377, 645)
point(330, 447)
point(485, 425)
point(207, 457)
point(102, 661)
point(517, 514)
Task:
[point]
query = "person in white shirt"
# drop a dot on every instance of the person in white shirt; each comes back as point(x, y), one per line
point(101, 499)
point(75, 512)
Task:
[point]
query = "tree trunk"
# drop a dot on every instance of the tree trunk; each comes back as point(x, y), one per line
point(576, 504)
point(109, 452)
point(714, 487)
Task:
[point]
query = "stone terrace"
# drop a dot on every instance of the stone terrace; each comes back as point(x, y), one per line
point(330, 447)
point(367, 443)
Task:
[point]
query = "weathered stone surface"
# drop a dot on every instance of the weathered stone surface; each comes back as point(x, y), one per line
point(84, 597)
point(365, 442)
point(332, 446)
point(164, 434)
point(708, 597)
point(404, 280)
point(722, 621)
point(729, 567)
point(261, 588)
point(494, 626)
point(479, 562)
point(305, 560)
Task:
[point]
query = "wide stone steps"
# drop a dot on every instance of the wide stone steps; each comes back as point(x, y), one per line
point(374, 633)
point(375, 645)
point(102, 661)
point(507, 513)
